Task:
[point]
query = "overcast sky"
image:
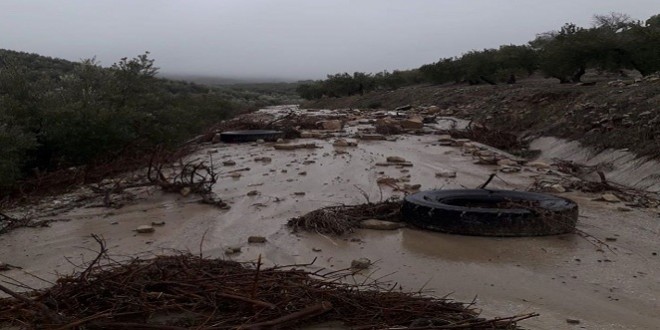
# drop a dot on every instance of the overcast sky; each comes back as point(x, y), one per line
point(288, 39)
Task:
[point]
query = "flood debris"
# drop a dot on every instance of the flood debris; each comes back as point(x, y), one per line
point(338, 220)
point(295, 146)
point(183, 291)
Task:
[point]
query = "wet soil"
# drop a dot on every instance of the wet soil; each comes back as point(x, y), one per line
point(561, 277)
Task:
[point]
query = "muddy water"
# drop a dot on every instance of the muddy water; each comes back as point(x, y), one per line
point(559, 277)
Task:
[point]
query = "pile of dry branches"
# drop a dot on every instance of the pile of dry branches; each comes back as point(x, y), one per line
point(337, 220)
point(186, 291)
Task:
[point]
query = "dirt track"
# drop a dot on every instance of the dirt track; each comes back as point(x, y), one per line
point(560, 277)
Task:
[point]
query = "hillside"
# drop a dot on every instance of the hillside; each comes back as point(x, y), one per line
point(616, 114)
point(57, 114)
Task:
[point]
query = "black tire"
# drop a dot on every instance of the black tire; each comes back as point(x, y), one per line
point(483, 212)
point(250, 136)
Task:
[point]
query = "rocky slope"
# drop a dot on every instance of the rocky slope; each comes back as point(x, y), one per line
point(619, 114)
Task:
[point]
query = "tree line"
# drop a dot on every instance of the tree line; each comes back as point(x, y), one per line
point(58, 114)
point(615, 42)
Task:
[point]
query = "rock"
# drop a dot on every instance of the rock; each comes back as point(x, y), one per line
point(611, 198)
point(461, 142)
point(509, 169)
point(294, 146)
point(263, 159)
point(344, 143)
point(299, 193)
point(362, 263)
point(229, 163)
point(387, 126)
point(256, 239)
point(216, 138)
point(3, 266)
point(280, 140)
point(433, 109)
point(445, 137)
point(233, 250)
point(507, 162)
point(331, 125)
point(556, 188)
point(539, 165)
point(412, 187)
point(412, 123)
point(395, 159)
point(610, 239)
point(316, 249)
point(253, 193)
point(185, 191)
point(302, 173)
point(144, 229)
point(445, 174)
point(158, 223)
point(486, 160)
point(380, 224)
point(372, 137)
point(623, 209)
point(235, 175)
point(260, 141)
point(572, 321)
point(404, 107)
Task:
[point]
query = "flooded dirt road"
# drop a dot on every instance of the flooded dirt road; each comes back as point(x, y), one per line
point(561, 277)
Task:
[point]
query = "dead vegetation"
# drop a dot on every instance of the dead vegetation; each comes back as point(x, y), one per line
point(184, 291)
point(341, 219)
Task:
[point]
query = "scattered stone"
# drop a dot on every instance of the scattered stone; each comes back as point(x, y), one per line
point(623, 209)
point(611, 198)
point(235, 175)
point(412, 187)
point(256, 239)
point(509, 169)
point(185, 191)
point(331, 125)
point(263, 159)
point(404, 107)
point(395, 159)
point(294, 146)
point(556, 188)
point(299, 193)
point(461, 142)
point(302, 173)
point(114, 223)
point(158, 223)
point(372, 137)
point(4, 266)
point(144, 229)
point(486, 160)
point(412, 123)
point(344, 143)
point(387, 126)
point(229, 163)
point(362, 263)
point(253, 193)
point(380, 224)
point(572, 321)
point(307, 162)
point(216, 138)
point(260, 141)
point(610, 239)
point(233, 250)
point(538, 165)
point(507, 162)
point(445, 174)
point(316, 249)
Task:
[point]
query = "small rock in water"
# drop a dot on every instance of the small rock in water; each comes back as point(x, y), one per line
point(362, 263)
point(557, 188)
point(158, 223)
point(253, 193)
point(380, 224)
point(256, 239)
point(610, 198)
point(445, 174)
point(539, 165)
point(145, 229)
point(572, 321)
point(185, 191)
point(229, 163)
point(316, 249)
point(232, 250)
point(396, 159)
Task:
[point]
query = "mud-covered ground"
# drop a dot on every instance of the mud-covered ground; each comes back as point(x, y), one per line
point(607, 277)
